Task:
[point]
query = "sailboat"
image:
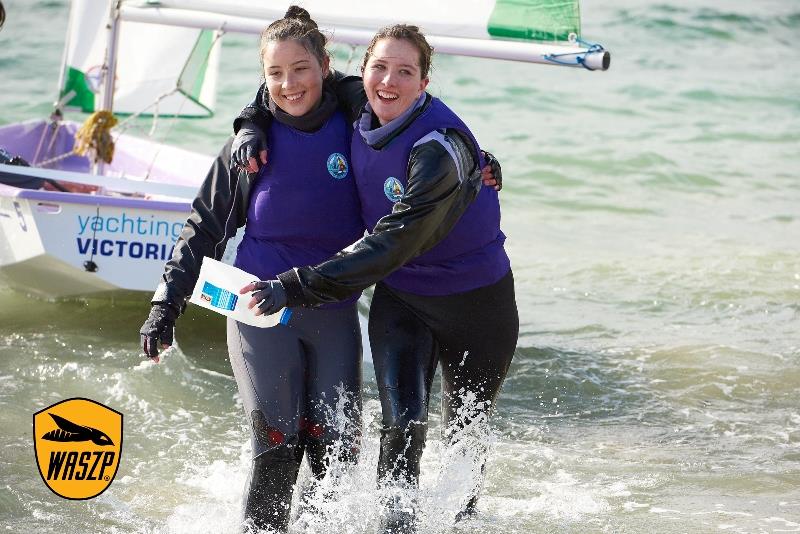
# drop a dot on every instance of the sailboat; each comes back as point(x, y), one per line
point(75, 221)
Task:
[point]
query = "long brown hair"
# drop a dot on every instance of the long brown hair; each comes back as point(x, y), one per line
point(298, 25)
point(408, 33)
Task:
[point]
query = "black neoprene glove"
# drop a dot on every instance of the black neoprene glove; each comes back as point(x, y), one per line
point(249, 148)
point(159, 327)
point(270, 295)
point(497, 171)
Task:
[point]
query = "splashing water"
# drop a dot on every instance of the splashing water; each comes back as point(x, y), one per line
point(348, 500)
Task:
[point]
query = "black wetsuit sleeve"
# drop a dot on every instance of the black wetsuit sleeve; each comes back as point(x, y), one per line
point(439, 190)
point(350, 94)
point(349, 91)
point(219, 208)
point(256, 112)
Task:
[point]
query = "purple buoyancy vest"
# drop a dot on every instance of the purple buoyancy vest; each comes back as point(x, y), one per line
point(304, 206)
point(472, 254)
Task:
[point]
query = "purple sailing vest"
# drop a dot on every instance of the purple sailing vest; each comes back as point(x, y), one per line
point(472, 254)
point(304, 206)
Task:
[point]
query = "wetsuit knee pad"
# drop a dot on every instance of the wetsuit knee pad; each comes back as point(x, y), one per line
point(349, 435)
point(269, 438)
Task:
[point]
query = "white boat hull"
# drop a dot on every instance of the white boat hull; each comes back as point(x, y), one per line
point(126, 227)
point(48, 240)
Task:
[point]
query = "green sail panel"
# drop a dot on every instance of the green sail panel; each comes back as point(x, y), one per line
point(535, 20)
point(84, 97)
point(194, 72)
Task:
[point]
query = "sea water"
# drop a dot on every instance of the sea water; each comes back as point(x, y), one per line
point(653, 222)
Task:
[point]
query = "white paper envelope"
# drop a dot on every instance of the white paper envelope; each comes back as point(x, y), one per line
point(217, 289)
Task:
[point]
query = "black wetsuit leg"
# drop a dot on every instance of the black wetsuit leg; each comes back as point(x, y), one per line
point(476, 334)
point(281, 382)
point(272, 403)
point(474, 368)
point(404, 353)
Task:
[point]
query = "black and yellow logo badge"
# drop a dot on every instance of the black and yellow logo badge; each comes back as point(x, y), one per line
point(78, 444)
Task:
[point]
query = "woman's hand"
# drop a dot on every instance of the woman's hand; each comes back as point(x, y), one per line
point(492, 173)
point(268, 296)
point(158, 330)
point(249, 143)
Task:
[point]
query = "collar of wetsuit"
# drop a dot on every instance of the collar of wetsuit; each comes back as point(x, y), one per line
point(380, 136)
point(311, 121)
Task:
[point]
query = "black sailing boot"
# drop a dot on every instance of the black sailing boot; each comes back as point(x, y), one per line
point(268, 495)
point(398, 465)
point(316, 451)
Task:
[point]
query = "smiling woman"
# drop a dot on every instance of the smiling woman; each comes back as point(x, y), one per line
point(299, 381)
point(294, 76)
point(436, 256)
point(395, 70)
point(392, 83)
point(294, 67)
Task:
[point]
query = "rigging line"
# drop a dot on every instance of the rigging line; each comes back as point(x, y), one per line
point(54, 138)
point(55, 159)
point(124, 124)
point(39, 146)
point(47, 126)
point(154, 125)
point(120, 129)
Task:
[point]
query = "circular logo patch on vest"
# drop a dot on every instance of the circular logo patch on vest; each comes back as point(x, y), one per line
point(337, 165)
point(393, 189)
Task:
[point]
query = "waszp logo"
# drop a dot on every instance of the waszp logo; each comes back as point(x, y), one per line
point(78, 443)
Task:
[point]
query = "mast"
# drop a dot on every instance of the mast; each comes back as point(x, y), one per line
point(110, 67)
point(62, 75)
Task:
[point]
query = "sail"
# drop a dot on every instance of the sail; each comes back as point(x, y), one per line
point(163, 70)
point(536, 20)
point(539, 20)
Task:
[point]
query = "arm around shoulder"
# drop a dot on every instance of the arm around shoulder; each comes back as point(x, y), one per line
point(425, 214)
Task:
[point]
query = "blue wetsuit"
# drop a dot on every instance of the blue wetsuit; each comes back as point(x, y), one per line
point(293, 379)
point(303, 208)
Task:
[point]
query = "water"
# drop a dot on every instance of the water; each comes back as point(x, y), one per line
point(653, 221)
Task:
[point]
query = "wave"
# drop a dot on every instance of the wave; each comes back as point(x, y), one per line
point(703, 23)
